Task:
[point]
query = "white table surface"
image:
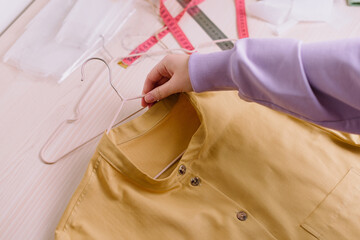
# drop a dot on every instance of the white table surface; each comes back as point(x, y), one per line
point(10, 10)
point(33, 195)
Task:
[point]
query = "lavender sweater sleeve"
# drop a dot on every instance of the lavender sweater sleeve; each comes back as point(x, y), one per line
point(317, 82)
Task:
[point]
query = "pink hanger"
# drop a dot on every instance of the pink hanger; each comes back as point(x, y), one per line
point(77, 116)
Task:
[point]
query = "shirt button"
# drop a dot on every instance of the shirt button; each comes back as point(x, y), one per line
point(182, 169)
point(195, 181)
point(241, 215)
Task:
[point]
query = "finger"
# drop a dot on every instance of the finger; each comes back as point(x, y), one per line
point(157, 73)
point(143, 103)
point(159, 83)
point(160, 92)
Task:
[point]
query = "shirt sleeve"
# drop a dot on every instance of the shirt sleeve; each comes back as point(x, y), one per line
point(317, 82)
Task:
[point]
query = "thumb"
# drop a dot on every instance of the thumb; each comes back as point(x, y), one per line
point(159, 93)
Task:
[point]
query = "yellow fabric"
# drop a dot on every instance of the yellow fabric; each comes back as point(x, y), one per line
point(294, 180)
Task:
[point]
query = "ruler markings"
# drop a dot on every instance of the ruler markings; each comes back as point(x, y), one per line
point(207, 25)
point(201, 18)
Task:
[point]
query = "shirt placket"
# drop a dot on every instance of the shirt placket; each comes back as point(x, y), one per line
point(196, 182)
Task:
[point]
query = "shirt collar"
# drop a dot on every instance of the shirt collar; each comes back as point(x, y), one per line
point(108, 149)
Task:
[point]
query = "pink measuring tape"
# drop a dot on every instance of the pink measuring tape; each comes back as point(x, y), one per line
point(173, 27)
point(241, 21)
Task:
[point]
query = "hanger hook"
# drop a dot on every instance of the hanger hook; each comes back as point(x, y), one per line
point(109, 70)
point(103, 46)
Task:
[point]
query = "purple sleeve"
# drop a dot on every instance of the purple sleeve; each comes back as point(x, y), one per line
point(317, 82)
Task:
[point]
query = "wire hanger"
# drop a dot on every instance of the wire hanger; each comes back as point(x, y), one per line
point(123, 100)
point(77, 116)
point(78, 113)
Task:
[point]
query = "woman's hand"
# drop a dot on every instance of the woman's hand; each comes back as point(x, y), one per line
point(169, 76)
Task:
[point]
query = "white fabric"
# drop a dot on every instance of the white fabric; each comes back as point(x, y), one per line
point(61, 36)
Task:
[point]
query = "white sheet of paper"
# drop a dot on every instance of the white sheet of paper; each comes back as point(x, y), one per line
point(270, 11)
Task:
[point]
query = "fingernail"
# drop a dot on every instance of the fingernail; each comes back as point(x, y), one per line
point(149, 98)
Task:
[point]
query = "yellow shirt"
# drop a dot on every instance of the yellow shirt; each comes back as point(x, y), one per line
point(248, 172)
